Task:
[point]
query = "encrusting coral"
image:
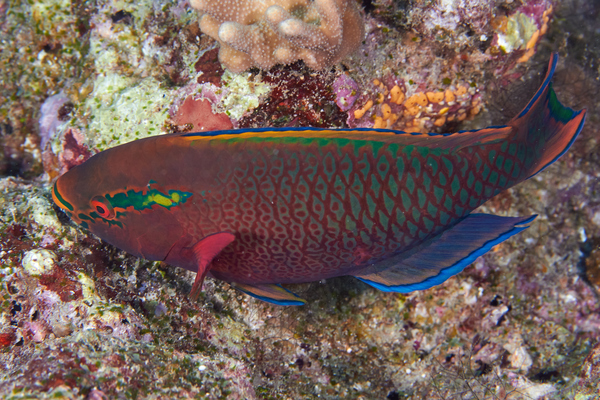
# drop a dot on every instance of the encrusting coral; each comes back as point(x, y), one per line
point(264, 33)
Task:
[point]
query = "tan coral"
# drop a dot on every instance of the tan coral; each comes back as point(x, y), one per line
point(263, 33)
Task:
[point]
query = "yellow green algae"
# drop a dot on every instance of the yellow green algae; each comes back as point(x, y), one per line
point(242, 94)
point(519, 29)
point(517, 324)
point(120, 110)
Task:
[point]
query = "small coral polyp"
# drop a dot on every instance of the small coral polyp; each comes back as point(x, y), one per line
point(264, 33)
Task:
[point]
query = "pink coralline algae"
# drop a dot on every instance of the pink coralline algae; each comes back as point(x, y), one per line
point(346, 92)
point(264, 33)
point(51, 117)
point(196, 115)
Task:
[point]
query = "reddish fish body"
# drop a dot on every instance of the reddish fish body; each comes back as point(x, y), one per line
point(267, 206)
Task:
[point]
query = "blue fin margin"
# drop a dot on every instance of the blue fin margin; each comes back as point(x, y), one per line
point(270, 293)
point(444, 244)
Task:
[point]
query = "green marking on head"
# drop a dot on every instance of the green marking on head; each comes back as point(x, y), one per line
point(141, 200)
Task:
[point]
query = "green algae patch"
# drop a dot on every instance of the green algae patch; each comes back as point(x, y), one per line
point(243, 94)
point(119, 110)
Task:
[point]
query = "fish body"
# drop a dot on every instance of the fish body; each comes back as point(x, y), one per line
point(261, 207)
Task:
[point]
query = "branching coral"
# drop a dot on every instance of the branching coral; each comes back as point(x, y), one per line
point(263, 33)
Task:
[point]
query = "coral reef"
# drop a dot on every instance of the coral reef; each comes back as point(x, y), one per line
point(264, 33)
point(80, 319)
point(299, 97)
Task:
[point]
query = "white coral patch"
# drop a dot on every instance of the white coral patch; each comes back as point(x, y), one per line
point(38, 261)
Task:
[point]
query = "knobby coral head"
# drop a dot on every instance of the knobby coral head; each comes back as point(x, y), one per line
point(264, 33)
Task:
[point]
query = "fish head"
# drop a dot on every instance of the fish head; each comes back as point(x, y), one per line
point(114, 195)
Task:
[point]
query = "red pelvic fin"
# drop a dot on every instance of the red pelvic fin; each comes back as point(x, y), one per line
point(205, 251)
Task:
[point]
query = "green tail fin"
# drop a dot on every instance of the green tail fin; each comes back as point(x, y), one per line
point(547, 127)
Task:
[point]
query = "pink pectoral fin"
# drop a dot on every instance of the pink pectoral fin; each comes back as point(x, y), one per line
point(205, 251)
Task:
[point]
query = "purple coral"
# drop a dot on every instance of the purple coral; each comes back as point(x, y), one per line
point(346, 92)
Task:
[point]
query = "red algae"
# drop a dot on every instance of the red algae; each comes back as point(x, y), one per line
point(210, 67)
point(299, 97)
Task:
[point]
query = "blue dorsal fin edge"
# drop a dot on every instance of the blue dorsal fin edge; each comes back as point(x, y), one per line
point(449, 244)
point(304, 129)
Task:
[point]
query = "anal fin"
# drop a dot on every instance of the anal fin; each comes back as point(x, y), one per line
point(444, 256)
point(275, 294)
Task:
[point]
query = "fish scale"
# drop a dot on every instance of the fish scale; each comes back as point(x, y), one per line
point(261, 207)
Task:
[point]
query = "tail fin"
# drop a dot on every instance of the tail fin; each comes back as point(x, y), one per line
point(547, 127)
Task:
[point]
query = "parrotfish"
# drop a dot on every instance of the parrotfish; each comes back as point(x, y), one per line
point(258, 208)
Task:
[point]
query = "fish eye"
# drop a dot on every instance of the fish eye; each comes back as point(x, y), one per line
point(103, 207)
